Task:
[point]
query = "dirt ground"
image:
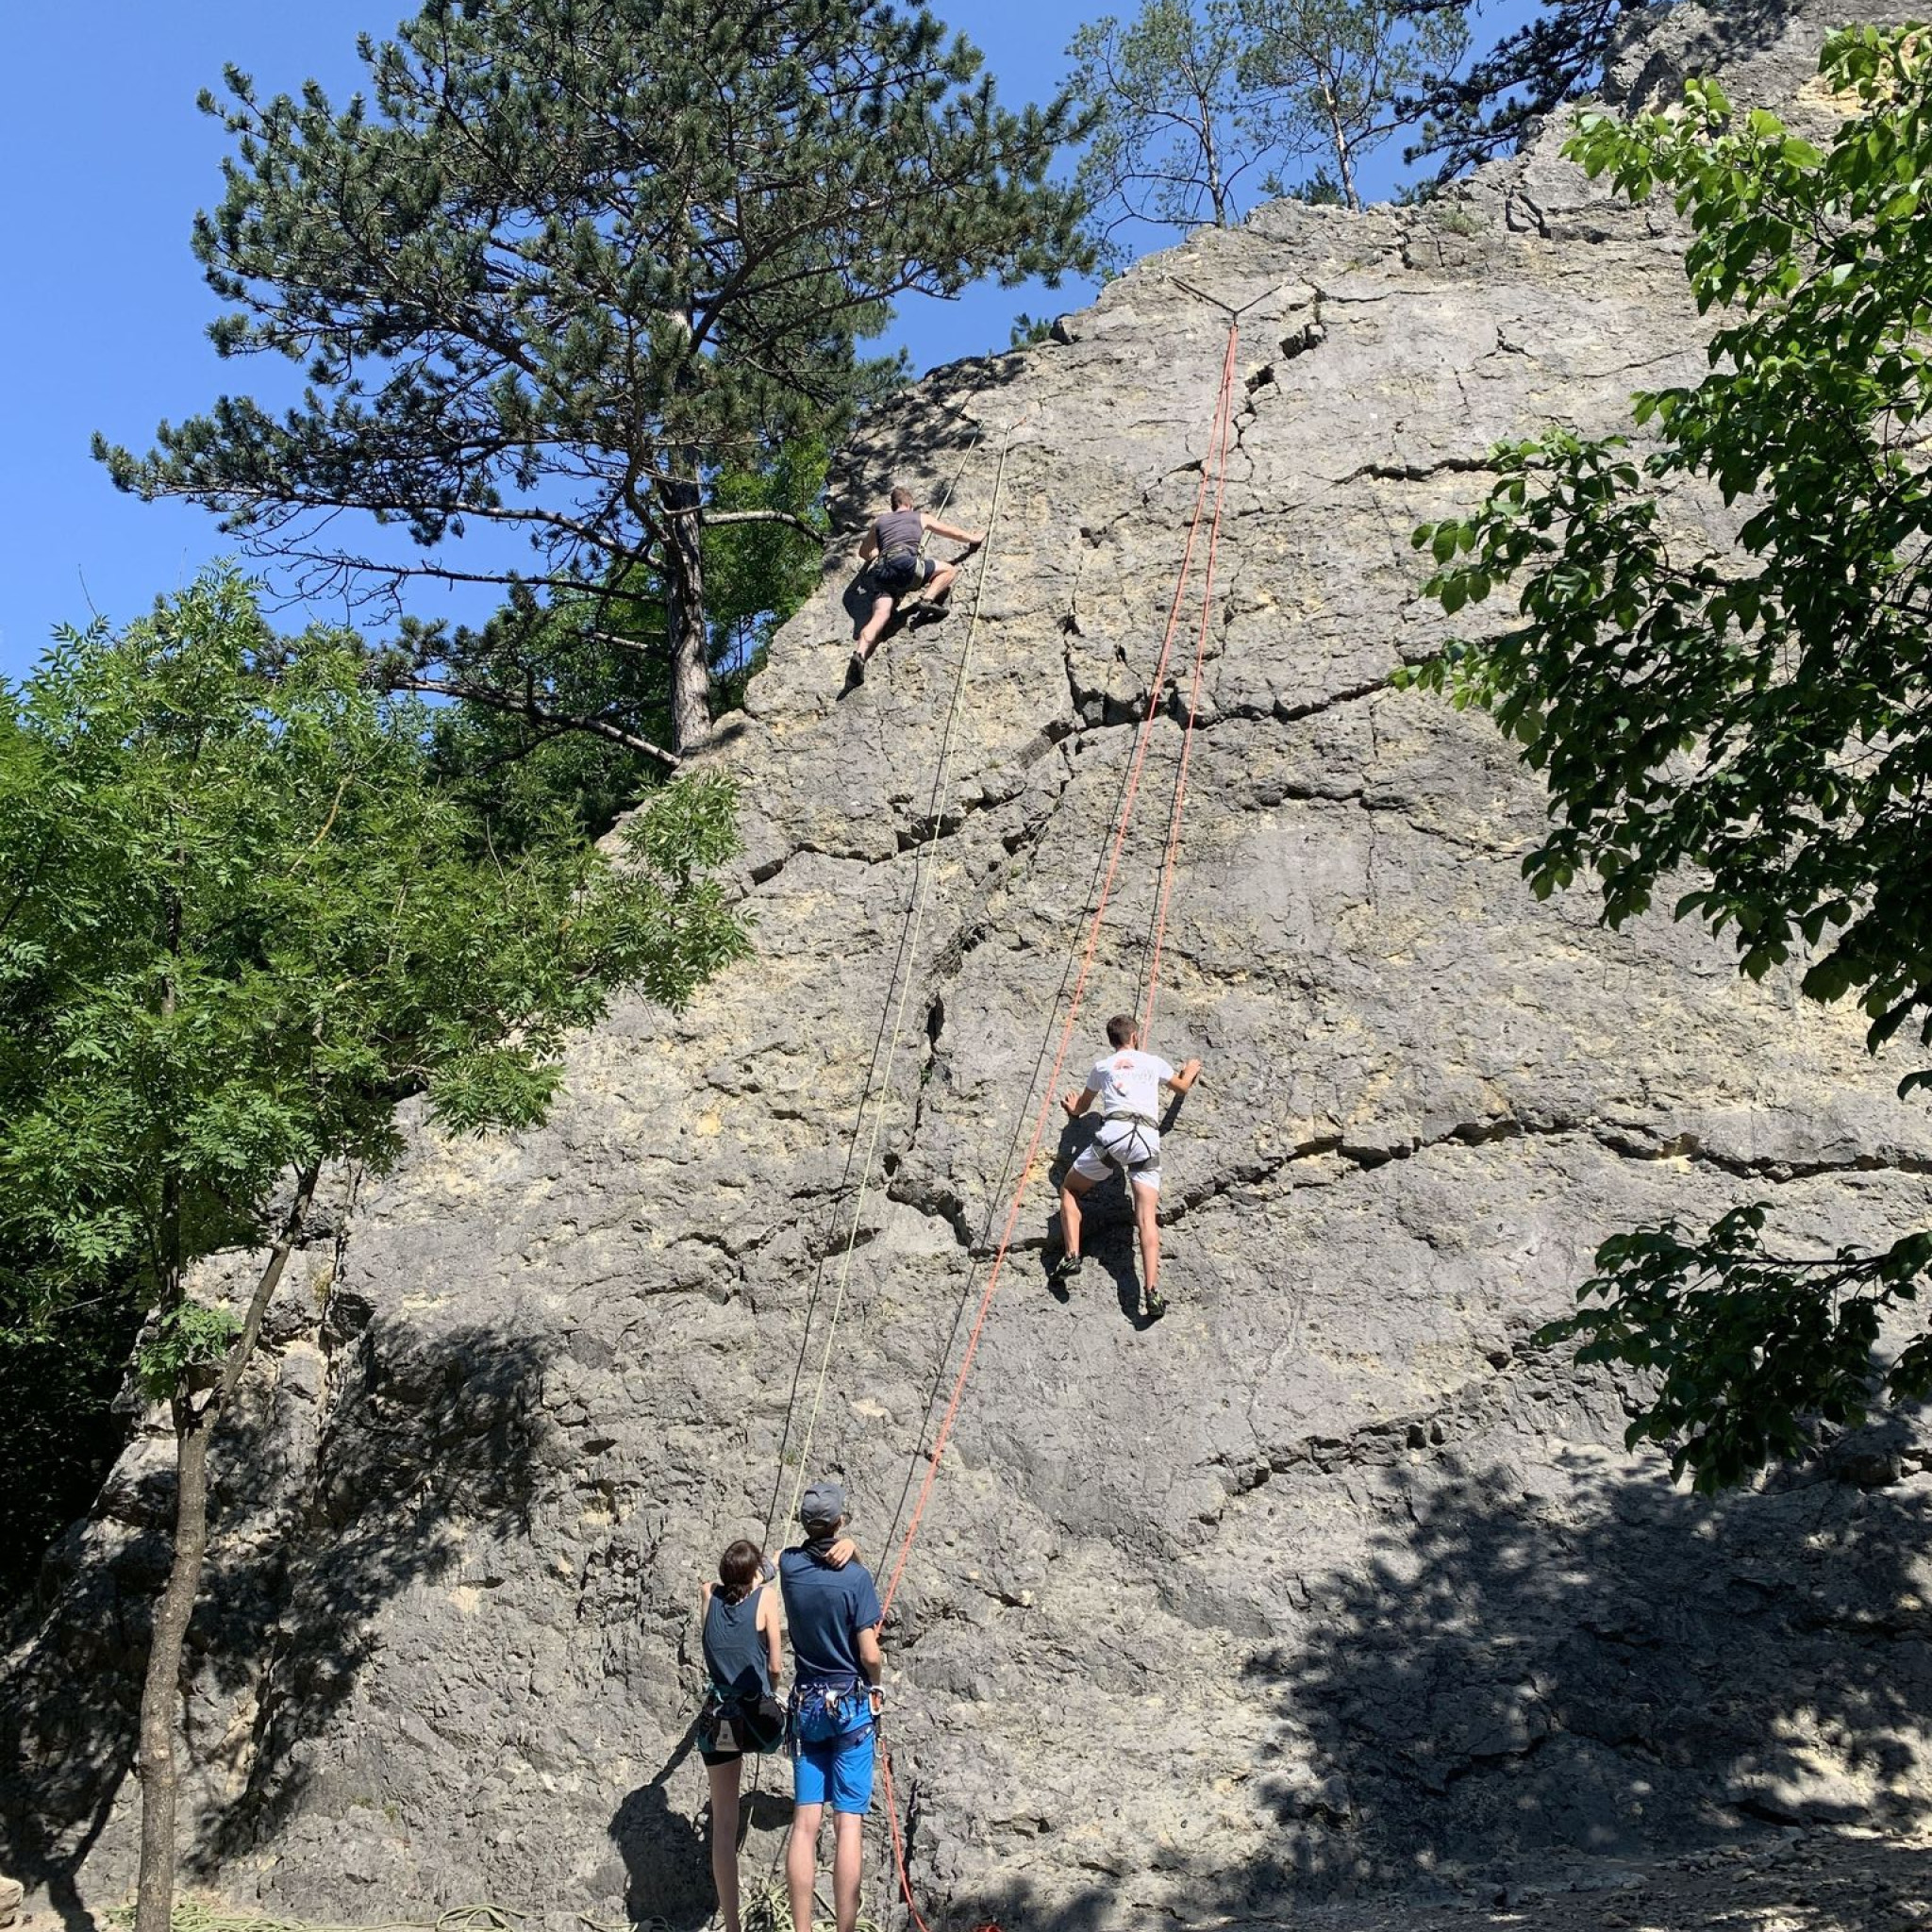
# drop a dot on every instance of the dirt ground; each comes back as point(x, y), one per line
point(1801, 1881)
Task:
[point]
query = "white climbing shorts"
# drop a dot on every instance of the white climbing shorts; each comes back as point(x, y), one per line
point(1131, 1145)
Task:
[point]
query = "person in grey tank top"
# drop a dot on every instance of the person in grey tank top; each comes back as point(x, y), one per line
point(891, 550)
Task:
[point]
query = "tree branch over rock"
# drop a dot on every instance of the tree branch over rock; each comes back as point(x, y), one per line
point(1758, 716)
point(566, 264)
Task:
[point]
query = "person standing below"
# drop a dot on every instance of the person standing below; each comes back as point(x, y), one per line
point(891, 548)
point(1128, 1085)
point(833, 1615)
point(744, 1664)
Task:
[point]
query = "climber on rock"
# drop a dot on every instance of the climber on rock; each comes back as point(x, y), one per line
point(738, 1629)
point(1128, 1085)
point(891, 551)
point(833, 1615)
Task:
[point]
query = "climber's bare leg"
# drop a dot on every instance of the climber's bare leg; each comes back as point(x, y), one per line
point(881, 616)
point(801, 1863)
point(1071, 1189)
point(724, 1786)
point(1147, 1224)
point(848, 1844)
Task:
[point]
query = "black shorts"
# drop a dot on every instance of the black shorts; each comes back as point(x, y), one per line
point(893, 576)
point(728, 1734)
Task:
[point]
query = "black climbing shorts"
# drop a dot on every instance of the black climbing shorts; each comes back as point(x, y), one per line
point(905, 570)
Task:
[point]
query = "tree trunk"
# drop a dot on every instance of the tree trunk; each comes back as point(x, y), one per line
point(684, 610)
point(1210, 154)
point(1344, 156)
point(160, 1693)
point(161, 1777)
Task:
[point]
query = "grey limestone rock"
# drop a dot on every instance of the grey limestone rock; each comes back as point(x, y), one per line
point(1329, 1586)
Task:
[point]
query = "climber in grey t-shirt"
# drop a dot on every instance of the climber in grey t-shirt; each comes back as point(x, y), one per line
point(891, 548)
point(1128, 1085)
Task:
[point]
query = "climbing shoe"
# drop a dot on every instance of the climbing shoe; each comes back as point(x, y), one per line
point(1157, 1305)
point(1067, 1267)
point(854, 671)
point(924, 613)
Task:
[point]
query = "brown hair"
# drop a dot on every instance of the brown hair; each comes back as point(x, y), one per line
point(1120, 1030)
point(903, 496)
point(737, 1569)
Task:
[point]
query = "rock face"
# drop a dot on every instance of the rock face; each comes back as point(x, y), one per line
point(1326, 1587)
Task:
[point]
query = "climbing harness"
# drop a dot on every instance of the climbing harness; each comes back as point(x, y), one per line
point(750, 1725)
point(822, 1711)
point(1135, 1148)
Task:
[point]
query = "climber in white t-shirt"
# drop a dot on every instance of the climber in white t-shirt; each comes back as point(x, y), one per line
point(1128, 1085)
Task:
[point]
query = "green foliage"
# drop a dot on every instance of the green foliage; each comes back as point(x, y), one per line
point(552, 695)
point(1759, 713)
point(1319, 189)
point(186, 1338)
point(566, 264)
point(242, 922)
point(1475, 112)
point(1748, 1351)
point(757, 575)
point(1029, 329)
point(1189, 96)
point(1333, 73)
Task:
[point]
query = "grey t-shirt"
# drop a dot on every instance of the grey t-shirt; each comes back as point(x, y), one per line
point(899, 530)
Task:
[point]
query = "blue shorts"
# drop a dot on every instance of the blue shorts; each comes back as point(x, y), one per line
point(840, 1768)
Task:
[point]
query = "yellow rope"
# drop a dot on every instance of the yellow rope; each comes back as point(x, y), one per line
point(766, 1910)
point(769, 1910)
point(198, 1915)
point(922, 894)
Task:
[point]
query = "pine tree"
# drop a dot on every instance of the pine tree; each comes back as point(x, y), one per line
point(1175, 127)
point(1335, 71)
point(571, 260)
point(1475, 113)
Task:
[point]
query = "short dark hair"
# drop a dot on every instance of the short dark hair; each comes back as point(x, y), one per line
point(1121, 1029)
point(904, 496)
point(737, 1569)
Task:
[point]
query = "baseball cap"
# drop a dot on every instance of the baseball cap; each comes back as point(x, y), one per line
point(823, 1504)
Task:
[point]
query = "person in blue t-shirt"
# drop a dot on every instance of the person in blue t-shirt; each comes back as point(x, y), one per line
point(832, 1616)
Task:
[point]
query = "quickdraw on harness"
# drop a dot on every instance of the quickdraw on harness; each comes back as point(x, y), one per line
point(820, 1712)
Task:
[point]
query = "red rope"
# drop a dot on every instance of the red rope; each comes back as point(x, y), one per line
point(1224, 427)
point(898, 1843)
point(1217, 455)
point(1079, 993)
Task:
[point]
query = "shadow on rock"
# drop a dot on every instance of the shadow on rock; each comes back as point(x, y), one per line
point(666, 1860)
point(667, 1857)
point(1563, 1678)
point(1521, 1678)
point(1107, 1241)
point(418, 1462)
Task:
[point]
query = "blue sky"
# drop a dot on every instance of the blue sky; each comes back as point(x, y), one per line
point(105, 160)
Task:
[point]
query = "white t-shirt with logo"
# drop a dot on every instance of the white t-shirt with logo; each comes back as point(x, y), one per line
point(1129, 1082)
